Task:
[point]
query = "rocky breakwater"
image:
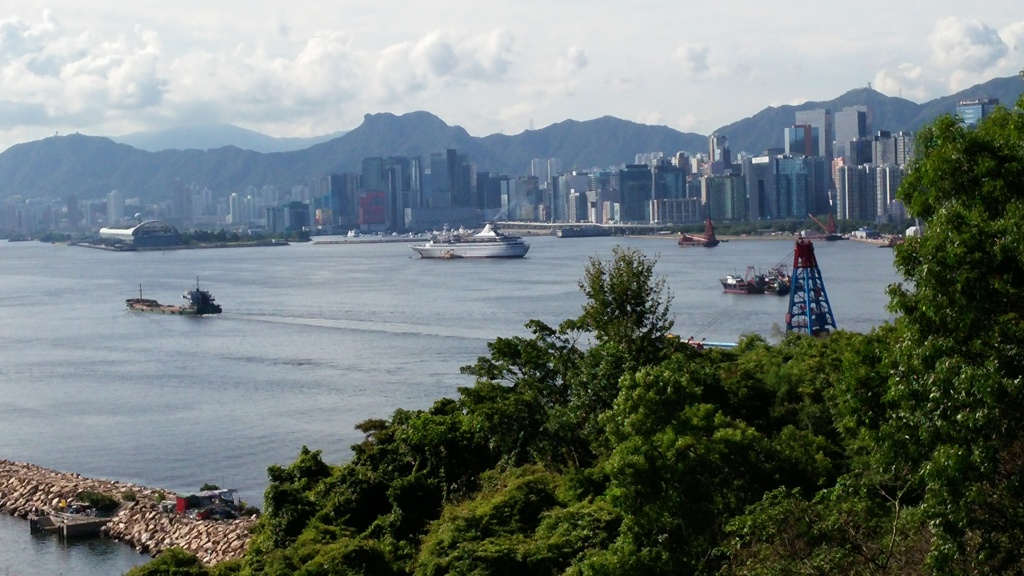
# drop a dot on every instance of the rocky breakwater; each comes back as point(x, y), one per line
point(28, 490)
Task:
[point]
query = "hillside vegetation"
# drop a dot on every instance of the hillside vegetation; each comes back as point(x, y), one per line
point(606, 446)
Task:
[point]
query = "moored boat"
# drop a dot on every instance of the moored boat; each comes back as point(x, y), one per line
point(709, 240)
point(198, 302)
point(488, 243)
point(750, 284)
point(778, 281)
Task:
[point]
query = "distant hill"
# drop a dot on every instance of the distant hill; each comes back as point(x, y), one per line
point(90, 166)
point(764, 129)
point(209, 137)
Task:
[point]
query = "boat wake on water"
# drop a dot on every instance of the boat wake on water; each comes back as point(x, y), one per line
point(376, 326)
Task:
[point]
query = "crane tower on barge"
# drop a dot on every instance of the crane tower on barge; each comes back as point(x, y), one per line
point(809, 309)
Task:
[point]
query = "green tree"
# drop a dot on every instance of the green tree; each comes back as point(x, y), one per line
point(171, 562)
point(540, 398)
point(957, 393)
point(626, 304)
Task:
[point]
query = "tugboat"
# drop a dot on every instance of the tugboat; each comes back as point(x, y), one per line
point(198, 302)
point(709, 240)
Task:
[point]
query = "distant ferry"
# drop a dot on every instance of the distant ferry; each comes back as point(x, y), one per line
point(197, 303)
point(488, 243)
point(590, 231)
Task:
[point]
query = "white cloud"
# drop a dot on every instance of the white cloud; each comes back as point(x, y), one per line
point(572, 60)
point(1013, 35)
point(966, 45)
point(906, 80)
point(694, 58)
point(49, 75)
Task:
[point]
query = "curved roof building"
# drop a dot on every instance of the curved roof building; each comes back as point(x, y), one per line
point(148, 234)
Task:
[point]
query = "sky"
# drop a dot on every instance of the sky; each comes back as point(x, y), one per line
point(313, 67)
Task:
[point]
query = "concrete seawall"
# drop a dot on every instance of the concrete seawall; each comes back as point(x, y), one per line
point(27, 490)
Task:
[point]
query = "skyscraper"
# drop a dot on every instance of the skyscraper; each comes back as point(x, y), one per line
point(719, 157)
point(904, 147)
point(802, 140)
point(883, 148)
point(971, 112)
point(115, 207)
point(821, 119)
point(851, 123)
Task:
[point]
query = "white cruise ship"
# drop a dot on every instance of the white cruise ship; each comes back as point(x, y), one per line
point(488, 243)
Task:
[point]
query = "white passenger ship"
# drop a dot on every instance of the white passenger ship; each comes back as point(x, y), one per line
point(488, 243)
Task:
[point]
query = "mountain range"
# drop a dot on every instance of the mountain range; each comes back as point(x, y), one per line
point(92, 166)
point(210, 136)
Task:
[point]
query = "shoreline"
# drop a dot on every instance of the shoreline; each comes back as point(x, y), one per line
point(28, 491)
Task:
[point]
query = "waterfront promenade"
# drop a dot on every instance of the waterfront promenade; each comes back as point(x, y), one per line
point(27, 490)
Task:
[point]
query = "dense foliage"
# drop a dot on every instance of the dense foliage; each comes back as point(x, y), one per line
point(606, 446)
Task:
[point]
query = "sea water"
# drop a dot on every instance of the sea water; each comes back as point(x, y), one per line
point(314, 338)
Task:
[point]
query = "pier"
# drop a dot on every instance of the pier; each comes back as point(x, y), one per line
point(141, 521)
point(68, 526)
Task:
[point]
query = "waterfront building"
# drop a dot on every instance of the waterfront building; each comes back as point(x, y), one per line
point(74, 214)
point(759, 173)
point(521, 198)
point(725, 197)
point(637, 185)
point(569, 190)
point(115, 207)
point(799, 186)
point(676, 211)
point(888, 208)
point(148, 234)
point(343, 189)
point(856, 197)
point(234, 209)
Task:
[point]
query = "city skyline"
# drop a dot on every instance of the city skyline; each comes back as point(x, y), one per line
point(317, 68)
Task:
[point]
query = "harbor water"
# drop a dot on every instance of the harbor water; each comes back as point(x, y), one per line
point(314, 338)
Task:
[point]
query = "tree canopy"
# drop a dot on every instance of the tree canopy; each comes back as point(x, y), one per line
point(605, 445)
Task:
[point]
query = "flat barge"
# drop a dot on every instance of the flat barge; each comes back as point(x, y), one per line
point(198, 302)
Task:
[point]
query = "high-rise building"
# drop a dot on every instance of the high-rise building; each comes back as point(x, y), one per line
point(856, 198)
point(851, 123)
point(971, 112)
point(821, 119)
point(545, 169)
point(800, 186)
point(637, 184)
point(725, 197)
point(568, 193)
point(74, 212)
point(719, 157)
point(802, 140)
point(759, 172)
point(887, 181)
point(234, 209)
point(115, 207)
point(883, 148)
point(904, 147)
